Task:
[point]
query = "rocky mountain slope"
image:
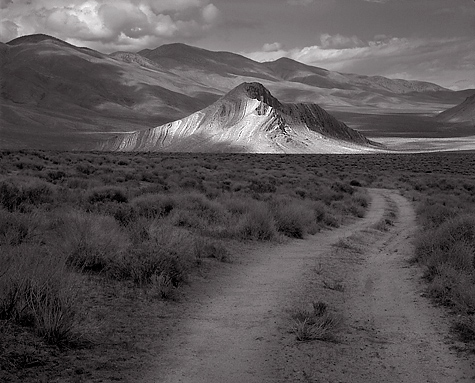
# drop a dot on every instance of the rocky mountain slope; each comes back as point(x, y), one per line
point(58, 96)
point(248, 119)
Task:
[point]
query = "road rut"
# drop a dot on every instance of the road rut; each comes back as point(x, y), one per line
point(235, 327)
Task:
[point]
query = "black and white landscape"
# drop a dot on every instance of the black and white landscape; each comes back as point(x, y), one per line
point(257, 191)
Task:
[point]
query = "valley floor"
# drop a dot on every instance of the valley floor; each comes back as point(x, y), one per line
point(413, 144)
point(236, 327)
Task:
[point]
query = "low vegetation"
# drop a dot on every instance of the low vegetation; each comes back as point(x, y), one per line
point(445, 247)
point(315, 324)
point(142, 222)
point(85, 235)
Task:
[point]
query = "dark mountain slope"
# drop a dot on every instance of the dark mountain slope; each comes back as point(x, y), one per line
point(464, 112)
point(184, 57)
point(68, 92)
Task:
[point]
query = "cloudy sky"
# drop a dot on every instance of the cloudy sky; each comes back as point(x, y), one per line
point(432, 40)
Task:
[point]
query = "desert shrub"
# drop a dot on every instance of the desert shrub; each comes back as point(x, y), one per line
point(237, 205)
point(293, 219)
point(80, 183)
point(37, 290)
point(453, 242)
point(356, 206)
point(25, 194)
point(85, 168)
point(123, 213)
point(448, 254)
point(257, 223)
point(360, 198)
point(208, 248)
point(328, 195)
point(465, 327)
point(302, 193)
point(187, 219)
point(139, 230)
point(107, 194)
point(341, 187)
point(191, 183)
point(153, 206)
point(434, 214)
point(315, 324)
point(332, 219)
point(90, 242)
point(16, 228)
point(197, 211)
point(55, 175)
point(147, 264)
point(261, 186)
point(319, 211)
point(164, 260)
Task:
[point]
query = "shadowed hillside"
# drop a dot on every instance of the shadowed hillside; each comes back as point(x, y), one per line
point(465, 112)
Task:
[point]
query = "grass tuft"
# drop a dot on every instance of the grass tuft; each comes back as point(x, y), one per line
point(316, 324)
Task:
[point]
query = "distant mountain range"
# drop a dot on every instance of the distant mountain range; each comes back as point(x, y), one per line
point(249, 119)
point(56, 95)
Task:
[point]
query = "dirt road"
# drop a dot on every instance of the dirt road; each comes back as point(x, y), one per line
point(236, 327)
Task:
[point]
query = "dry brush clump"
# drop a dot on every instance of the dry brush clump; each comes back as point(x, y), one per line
point(315, 324)
point(445, 246)
point(38, 291)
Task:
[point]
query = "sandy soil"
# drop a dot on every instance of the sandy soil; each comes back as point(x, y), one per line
point(235, 328)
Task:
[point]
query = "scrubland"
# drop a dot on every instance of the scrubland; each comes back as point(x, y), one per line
point(72, 222)
point(90, 241)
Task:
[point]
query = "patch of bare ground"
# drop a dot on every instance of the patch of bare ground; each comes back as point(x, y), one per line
point(240, 327)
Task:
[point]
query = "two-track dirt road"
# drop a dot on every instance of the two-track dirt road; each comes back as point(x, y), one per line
point(235, 327)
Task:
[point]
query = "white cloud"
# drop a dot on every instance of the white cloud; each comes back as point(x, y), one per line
point(210, 13)
point(339, 42)
point(8, 30)
point(105, 22)
point(272, 47)
point(449, 62)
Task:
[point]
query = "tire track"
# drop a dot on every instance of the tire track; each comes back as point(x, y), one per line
point(235, 328)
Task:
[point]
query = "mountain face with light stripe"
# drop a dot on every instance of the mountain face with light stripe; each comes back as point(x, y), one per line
point(248, 119)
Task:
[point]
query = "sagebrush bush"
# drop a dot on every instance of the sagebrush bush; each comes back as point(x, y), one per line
point(209, 211)
point(168, 255)
point(153, 206)
point(17, 228)
point(208, 248)
point(37, 290)
point(90, 242)
point(293, 219)
point(24, 195)
point(107, 194)
point(257, 224)
point(453, 242)
point(433, 215)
